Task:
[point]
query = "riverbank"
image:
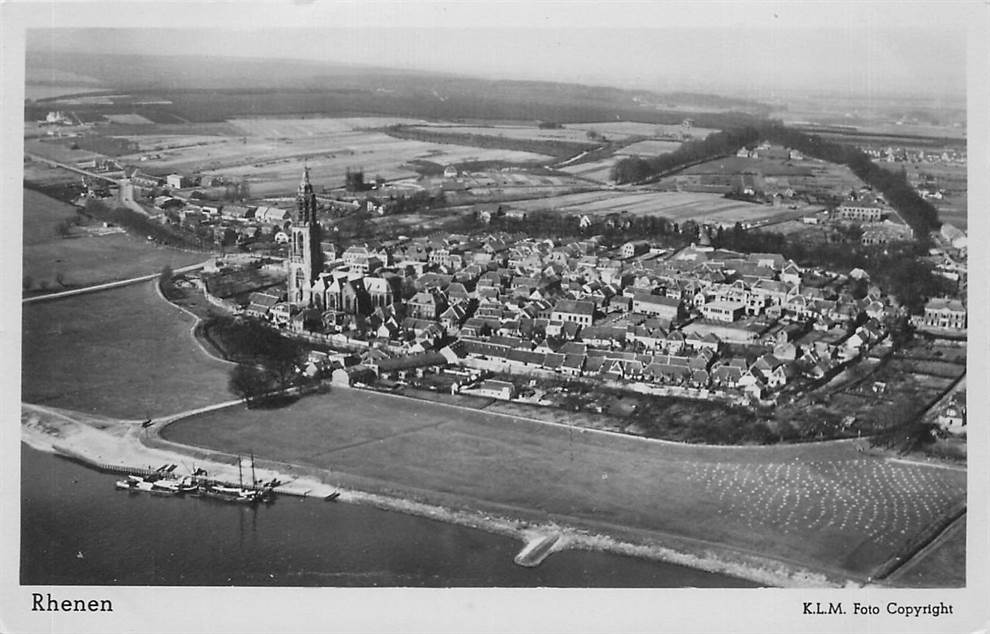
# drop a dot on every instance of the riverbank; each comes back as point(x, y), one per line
point(126, 443)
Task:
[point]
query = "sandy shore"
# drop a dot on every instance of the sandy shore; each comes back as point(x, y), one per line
point(128, 444)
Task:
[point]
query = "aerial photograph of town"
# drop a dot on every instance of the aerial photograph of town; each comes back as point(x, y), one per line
point(319, 307)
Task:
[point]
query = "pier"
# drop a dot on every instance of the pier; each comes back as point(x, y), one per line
point(536, 550)
point(303, 489)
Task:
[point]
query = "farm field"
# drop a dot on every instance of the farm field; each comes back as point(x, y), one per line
point(128, 119)
point(600, 171)
point(376, 154)
point(271, 152)
point(624, 129)
point(58, 150)
point(517, 132)
point(43, 175)
point(676, 206)
point(513, 179)
point(301, 127)
point(824, 506)
point(83, 259)
point(797, 116)
point(47, 91)
point(649, 148)
point(950, 178)
point(808, 176)
point(125, 353)
point(737, 165)
point(830, 176)
point(158, 142)
point(792, 227)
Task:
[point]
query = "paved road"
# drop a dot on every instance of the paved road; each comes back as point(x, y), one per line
point(71, 168)
point(126, 189)
point(107, 285)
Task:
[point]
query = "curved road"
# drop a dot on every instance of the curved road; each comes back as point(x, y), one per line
point(107, 285)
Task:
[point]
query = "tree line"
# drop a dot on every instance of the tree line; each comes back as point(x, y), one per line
point(717, 144)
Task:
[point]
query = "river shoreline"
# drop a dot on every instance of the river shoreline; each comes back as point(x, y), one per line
point(102, 440)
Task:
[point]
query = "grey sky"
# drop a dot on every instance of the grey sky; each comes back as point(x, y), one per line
point(866, 47)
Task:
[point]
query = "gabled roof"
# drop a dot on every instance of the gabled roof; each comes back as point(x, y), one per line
point(573, 361)
point(575, 307)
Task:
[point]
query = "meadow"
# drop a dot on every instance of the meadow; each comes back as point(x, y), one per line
point(827, 507)
point(52, 261)
point(125, 353)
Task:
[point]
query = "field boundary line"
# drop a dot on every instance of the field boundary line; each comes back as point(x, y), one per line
point(921, 463)
point(659, 441)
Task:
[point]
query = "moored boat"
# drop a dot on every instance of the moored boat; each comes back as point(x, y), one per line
point(232, 493)
point(178, 486)
point(141, 483)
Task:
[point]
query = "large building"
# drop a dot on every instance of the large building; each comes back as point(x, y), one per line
point(305, 261)
point(945, 313)
point(860, 212)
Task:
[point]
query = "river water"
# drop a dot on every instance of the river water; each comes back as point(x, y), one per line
point(76, 529)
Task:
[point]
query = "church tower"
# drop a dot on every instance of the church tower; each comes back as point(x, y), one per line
point(305, 255)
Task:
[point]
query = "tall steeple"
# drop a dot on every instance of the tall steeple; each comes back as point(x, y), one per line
point(305, 200)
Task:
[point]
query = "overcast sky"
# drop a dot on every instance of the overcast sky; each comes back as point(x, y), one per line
point(863, 47)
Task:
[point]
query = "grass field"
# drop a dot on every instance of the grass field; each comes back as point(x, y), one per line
point(89, 260)
point(42, 215)
point(84, 260)
point(821, 506)
point(124, 353)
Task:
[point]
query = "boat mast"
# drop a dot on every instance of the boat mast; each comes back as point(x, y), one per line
point(254, 479)
point(240, 474)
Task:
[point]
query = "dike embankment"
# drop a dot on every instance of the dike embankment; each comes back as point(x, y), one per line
point(114, 445)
